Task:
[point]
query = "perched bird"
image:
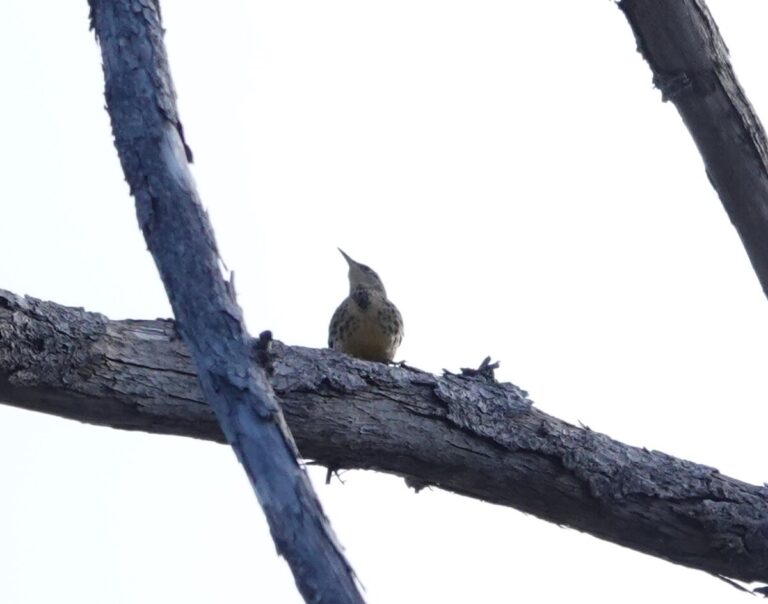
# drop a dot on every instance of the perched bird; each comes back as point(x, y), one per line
point(366, 324)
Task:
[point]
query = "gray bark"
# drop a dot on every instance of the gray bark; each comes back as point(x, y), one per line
point(469, 435)
point(154, 155)
point(689, 60)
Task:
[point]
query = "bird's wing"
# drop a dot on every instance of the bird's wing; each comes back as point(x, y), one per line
point(401, 326)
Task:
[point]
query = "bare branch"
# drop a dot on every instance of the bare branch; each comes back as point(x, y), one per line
point(154, 156)
point(690, 65)
point(466, 434)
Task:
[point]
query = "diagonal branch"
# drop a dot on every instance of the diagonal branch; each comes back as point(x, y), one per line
point(469, 435)
point(683, 47)
point(154, 156)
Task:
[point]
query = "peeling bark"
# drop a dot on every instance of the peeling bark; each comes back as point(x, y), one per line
point(469, 435)
point(689, 59)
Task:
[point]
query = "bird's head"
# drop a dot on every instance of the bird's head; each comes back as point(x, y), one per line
point(362, 276)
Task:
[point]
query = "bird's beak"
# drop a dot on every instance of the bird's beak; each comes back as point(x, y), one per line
point(347, 258)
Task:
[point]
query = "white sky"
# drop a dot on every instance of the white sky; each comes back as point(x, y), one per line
point(512, 175)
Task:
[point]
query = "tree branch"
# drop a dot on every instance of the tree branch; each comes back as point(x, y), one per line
point(683, 47)
point(469, 435)
point(150, 142)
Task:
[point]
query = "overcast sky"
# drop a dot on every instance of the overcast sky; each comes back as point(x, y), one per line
point(512, 175)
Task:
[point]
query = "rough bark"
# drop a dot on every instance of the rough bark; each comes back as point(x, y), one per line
point(689, 60)
point(154, 155)
point(469, 435)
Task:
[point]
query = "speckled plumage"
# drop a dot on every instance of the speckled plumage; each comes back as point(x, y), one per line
point(366, 324)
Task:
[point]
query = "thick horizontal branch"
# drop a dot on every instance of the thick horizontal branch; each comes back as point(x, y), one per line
point(469, 435)
point(689, 60)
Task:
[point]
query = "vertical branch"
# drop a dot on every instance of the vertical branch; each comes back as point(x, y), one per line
point(154, 156)
point(683, 47)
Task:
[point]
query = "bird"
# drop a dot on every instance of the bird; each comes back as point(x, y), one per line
point(366, 324)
